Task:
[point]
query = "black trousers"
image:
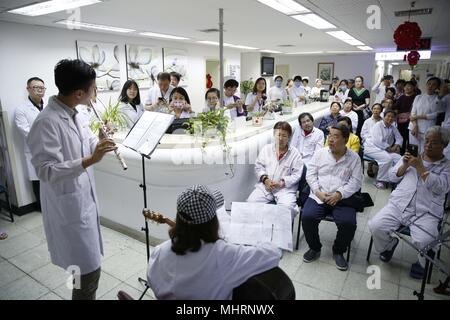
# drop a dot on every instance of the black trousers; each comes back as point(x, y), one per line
point(37, 193)
point(344, 217)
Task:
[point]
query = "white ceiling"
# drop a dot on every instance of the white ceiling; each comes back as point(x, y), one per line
point(250, 23)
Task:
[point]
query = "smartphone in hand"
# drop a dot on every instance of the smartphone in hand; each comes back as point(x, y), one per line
point(413, 149)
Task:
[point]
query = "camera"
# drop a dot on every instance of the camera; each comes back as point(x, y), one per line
point(413, 149)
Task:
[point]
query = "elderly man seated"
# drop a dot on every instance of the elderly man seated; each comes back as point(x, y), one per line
point(307, 138)
point(334, 175)
point(418, 200)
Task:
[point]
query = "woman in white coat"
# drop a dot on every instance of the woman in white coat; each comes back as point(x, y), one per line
point(278, 168)
point(130, 103)
point(296, 93)
point(24, 117)
point(63, 151)
point(347, 111)
point(277, 92)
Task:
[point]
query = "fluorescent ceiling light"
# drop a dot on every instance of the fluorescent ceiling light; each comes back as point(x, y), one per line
point(395, 63)
point(314, 20)
point(214, 43)
point(47, 7)
point(398, 55)
point(270, 51)
point(344, 36)
point(365, 48)
point(306, 52)
point(243, 47)
point(354, 42)
point(285, 6)
point(77, 25)
point(160, 35)
point(343, 51)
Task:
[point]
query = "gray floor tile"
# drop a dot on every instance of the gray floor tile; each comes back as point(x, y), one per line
point(356, 288)
point(50, 296)
point(124, 264)
point(25, 288)
point(133, 292)
point(51, 276)
point(305, 292)
point(30, 221)
point(9, 273)
point(16, 245)
point(32, 259)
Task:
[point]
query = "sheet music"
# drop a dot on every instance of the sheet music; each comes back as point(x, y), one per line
point(256, 223)
point(148, 131)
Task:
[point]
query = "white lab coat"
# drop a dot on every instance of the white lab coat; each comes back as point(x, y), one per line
point(382, 137)
point(251, 97)
point(131, 115)
point(413, 200)
point(155, 92)
point(295, 93)
point(307, 145)
point(353, 116)
point(367, 127)
point(208, 274)
point(380, 90)
point(24, 117)
point(289, 169)
point(276, 93)
point(68, 198)
point(315, 92)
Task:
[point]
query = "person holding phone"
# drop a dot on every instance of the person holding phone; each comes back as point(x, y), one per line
point(180, 104)
point(384, 146)
point(418, 199)
point(255, 101)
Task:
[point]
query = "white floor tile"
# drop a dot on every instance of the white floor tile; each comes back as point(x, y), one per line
point(50, 276)
point(16, 245)
point(25, 288)
point(9, 273)
point(32, 259)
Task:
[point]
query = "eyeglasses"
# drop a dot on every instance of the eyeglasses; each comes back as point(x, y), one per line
point(38, 88)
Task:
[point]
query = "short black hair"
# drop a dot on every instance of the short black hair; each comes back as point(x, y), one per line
point(345, 131)
point(361, 77)
point(347, 120)
point(411, 83)
point(231, 83)
point(385, 99)
point(299, 78)
point(336, 102)
point(34, 79)
point(176, 75)
point(123, 94)
point(278, 77)
point(303, 115)
point(436, 79)
point(400, 81)
point(391, 89)
point(212, 90)
point(347, 100)
point(163, 76)
point(390, 111)
point(283, 125)
point(181, 91)
point(72, 75)
point(377, 104)
point(305, 79)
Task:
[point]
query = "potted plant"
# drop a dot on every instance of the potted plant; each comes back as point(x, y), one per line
point(287, 107)
point(257, 118)
point(246, 87)
point(210, 124)
point(112, 115)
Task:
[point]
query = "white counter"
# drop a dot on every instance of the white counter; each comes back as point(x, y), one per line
point(178, 162)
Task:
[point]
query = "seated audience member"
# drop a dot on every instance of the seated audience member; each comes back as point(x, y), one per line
point(195, 263)
point(315, 91)
point(369, 123)
point(330, 120)
point(353, 140)
point(277, 93)
point(306, 138)
point(417, 201)
point(390, 93)
point(424, 112)
point(387, 103)
point(399, 87)
point(334, 86)
point(130, 103)
point(383, 145)
point(175, 78)
point(158, 96)
point(278, 168)
point(296, 92)
point(255, 101)
point(342, 91)
point(334, 173)
point(212, 97)
point(231, 101)
point(180, 104)
point(305, 86)
point(347, 111)
point(289, 84)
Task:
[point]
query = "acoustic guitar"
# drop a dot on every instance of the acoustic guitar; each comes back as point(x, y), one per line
point(157, 217)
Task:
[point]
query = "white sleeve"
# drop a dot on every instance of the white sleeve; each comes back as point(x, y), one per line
point(260, 165)
point(377, 137)
point(22, 122)
point(354, 184)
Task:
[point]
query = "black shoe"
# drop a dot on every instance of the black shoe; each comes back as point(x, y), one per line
point(386, 256)
point(417, 271)
point(340, 261)
point(311, 255)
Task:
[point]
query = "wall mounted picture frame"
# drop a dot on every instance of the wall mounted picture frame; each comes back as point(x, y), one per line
point(104, 58)
point(176, 60)
point(143, 64)
point(325, 71)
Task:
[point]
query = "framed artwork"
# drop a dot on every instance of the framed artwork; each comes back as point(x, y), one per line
point(176, 60)
point(104, 58)
point(325, 71)
point(143, 64)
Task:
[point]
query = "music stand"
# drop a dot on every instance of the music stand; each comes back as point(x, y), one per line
point(143, 138)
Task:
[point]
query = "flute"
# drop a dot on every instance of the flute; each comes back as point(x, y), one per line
point(104, 129)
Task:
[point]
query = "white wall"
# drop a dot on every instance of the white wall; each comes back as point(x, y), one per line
point(345, 66)
point(28, 51)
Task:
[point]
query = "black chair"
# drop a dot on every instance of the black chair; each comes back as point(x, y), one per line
point(402, 229)
point(4, 190)
point(303, 194)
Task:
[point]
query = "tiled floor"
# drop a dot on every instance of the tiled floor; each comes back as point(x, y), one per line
point(26, 271)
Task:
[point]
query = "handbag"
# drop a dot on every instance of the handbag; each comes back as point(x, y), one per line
point(358, 201)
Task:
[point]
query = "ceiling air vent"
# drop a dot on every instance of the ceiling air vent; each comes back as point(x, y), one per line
point(211, 30)
point(285, 45)
point(415, 12)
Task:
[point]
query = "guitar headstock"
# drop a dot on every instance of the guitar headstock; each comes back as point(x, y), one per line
point(154, 216)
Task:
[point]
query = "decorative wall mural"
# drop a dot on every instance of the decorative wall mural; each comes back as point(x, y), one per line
point(104, 58)
point(176, 60)
point(143, 64)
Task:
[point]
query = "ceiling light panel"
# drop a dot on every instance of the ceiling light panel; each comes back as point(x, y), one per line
point(39, 9)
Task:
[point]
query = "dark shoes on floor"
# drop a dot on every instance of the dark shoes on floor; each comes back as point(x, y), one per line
point(311, 255)
point(340, 261)
point(386, 256)
point(417, 271)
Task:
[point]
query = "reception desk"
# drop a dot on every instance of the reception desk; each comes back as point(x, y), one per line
point(180, 161)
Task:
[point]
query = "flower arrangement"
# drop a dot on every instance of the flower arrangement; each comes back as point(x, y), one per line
point(210, 124)
point(112, 115)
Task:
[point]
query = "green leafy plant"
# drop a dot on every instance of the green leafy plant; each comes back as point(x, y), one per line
point(247, 86)
point(112, 115)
